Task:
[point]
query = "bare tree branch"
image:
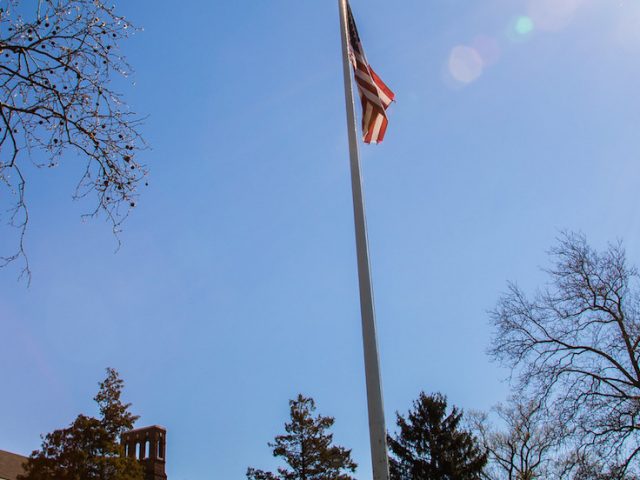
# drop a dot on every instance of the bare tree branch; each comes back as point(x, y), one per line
point(55, 97)
point(574, 347)
point(526, 449)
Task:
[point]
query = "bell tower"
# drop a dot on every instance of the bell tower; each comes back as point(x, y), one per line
point(147, 445)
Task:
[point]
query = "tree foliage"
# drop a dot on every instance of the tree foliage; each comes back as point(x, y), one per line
point(58, 60)
point(89, 448)
point(575, 347)
point(307, 448)
point(432, 445)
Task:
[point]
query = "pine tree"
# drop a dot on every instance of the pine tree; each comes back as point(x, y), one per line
point(431, 445)
point(307, 448)
point(88, 449)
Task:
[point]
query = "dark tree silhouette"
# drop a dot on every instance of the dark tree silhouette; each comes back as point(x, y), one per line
point(575, 347)
point(432, 445)
point(57, 61)
point(307, 448)
point(89, 448)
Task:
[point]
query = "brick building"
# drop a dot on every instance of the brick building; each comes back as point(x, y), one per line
point(147, 444)
point(10, 465)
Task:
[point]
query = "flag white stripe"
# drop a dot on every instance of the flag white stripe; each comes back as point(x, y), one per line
point(366, 77)
point(376, 127)
point(386, 101)
point(374, 94)
point(372, 97)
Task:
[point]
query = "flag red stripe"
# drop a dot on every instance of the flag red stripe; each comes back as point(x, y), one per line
point(375, 96)
point(381, 85)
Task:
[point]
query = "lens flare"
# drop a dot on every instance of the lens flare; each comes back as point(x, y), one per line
point(524, 25)
point(465, 64)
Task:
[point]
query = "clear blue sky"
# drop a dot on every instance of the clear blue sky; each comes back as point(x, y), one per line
point(236, 285)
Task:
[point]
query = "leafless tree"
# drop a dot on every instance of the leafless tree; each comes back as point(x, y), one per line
point(574, 346)
point(526, 448)
point(586, 466)
point(57, 61)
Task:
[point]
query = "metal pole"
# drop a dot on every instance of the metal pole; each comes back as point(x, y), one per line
point(377, 428)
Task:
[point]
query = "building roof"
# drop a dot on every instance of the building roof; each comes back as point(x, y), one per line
point(142, 429)
point(11, 465)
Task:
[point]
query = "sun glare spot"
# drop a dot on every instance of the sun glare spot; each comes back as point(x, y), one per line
point(465, 64)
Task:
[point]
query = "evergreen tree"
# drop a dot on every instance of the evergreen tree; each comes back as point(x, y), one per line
point(307, 448)
point(89, 449)
point(431, 445)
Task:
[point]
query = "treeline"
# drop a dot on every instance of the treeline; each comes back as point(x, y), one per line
point(574, 413)
point(573, 351)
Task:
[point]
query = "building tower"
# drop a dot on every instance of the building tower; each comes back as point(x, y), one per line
point(148, 445)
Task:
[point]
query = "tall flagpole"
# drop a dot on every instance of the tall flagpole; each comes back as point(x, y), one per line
point(377, 428)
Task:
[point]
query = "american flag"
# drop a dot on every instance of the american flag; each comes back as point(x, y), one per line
point(374, 94)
